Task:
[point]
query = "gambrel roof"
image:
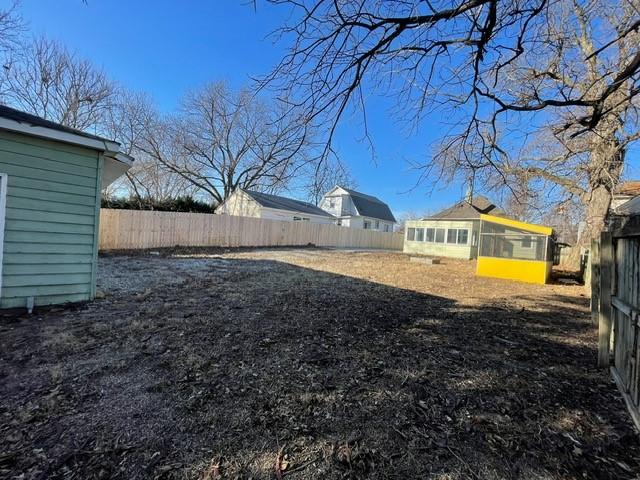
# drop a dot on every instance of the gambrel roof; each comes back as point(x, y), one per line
point(369, 206)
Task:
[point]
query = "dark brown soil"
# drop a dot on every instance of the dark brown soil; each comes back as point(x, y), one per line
point(310, 364)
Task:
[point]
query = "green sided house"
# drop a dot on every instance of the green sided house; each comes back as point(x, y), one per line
point(51, 179)
point(453, 232)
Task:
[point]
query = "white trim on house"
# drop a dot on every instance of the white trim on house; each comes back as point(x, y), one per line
point(109, 147)
point(58, 135)
point(114, 166)
point(3, 208)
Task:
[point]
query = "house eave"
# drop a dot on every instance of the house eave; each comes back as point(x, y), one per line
point(102, 145)
point(116, 162)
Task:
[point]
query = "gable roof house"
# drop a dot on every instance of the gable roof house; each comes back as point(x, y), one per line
point(358, 210)
point(248, 203)
point(51, 178)
point(453, 232)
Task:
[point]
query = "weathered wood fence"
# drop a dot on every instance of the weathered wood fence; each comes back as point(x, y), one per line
point(134, 229)
point(616, 306)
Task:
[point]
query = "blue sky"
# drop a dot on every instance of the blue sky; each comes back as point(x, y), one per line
point(165, 49)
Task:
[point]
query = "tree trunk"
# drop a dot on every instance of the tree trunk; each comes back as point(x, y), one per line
point(605, 168)
point(596, 213)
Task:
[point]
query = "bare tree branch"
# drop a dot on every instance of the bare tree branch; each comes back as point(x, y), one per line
point(223, 140)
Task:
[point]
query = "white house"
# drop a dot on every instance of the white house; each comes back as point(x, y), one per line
point(248, 203)
point(453, 232)
point(358, 210)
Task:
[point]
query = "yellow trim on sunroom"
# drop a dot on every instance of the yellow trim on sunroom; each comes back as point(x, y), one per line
point(507, 222)
point(530, 271)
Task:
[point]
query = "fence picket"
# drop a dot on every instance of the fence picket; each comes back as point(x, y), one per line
point(618, 296)
point(136, 229)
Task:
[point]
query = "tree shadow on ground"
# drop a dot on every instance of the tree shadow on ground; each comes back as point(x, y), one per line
point(261, 366)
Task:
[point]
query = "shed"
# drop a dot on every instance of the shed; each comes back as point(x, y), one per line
point(51, 178)
point(515, 250)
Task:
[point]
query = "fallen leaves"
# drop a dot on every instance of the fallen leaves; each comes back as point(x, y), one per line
point(204, 372)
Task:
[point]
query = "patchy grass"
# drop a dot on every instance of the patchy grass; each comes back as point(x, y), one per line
point(304, 364)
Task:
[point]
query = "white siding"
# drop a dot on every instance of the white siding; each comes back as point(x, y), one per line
point(241, 204)
point(286, 215)
point(377, 224)
point(339, 203)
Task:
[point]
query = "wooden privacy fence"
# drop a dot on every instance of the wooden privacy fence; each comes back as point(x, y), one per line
point(133, 229)
point(616, 305)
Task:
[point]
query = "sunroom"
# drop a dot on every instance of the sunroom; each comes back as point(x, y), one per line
point(515, 250)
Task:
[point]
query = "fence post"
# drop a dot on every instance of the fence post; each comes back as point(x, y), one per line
point(604, 318)
point(594, 278)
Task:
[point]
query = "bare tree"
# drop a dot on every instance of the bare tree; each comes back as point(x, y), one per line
point(409, 215)
point(323, 176)
point(49, 81)
point(578, 154)
point(133, 121)
point(151, 182)
point(11, 29)
point(223, 140)
point(564, 70)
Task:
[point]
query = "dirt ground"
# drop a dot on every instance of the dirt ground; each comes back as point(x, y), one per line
point(309, 364)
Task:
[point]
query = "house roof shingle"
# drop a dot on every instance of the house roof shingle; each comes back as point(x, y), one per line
point(282, 203)
point(370, 206)
point(465, 210)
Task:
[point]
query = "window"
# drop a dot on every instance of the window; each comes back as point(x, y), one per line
point(300, 219)
point(339, 222)
point(463, 236)
point(377, 225)
point(411, 234)
point(458, 236)
point(367, 224)
point(439, 235)
point(526, 242)
point(386, 227)
point(430, 234)
point(419, 234)
point(332, 203)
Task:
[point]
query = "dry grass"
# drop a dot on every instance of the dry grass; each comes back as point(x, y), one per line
point(308, 364)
